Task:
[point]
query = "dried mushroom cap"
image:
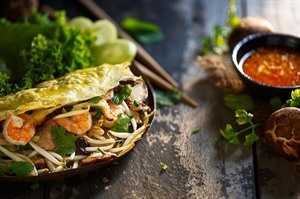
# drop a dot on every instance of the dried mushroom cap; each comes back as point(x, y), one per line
point(282, 132)
point(248, 25)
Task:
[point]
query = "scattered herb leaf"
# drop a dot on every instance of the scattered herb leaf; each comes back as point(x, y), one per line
point(122, 124)
point(94, 100)
point(98, 114)
point(142, 31)
point(101, 151)
point(295, 99)
point(136, 103)
point(34, 186)
point(243, 118)
point(64, 141)
point(167, 98)
point(122, 95)
point(20, 168)
point(164, 167)
point(276, 103)
point(216, 43)
point(233, 20)
point(195, 131)
point(236, 101)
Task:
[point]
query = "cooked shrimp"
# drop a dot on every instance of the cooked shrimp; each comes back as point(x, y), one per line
point(19, 129)
point(77, 124)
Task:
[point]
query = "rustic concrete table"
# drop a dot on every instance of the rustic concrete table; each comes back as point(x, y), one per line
point(201, 165)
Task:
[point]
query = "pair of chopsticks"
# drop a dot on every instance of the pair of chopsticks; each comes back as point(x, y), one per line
point(158, 76)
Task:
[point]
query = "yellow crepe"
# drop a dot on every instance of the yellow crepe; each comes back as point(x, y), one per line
point(73, 87)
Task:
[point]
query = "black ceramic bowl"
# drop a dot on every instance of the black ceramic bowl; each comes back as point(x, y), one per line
point(252, 42)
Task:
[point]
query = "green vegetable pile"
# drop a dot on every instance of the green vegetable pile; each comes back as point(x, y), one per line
point(40, 49)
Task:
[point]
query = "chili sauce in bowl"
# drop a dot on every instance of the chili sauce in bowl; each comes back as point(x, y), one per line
point(269, 63)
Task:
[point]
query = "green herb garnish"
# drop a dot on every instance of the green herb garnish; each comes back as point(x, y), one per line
point(94, 100)
point(167, 98)
point(97, 115)
point(136, 103)
point(34, 186)
point(195, 131)
point(216, 43)
point(64, 141)
point(295, 99)
point(20, 168)
point(122, 95)
point(122, 123)
point(276, 103)
point(243, 118)
point(235, 101)
point(164, 167)
point(142, 31)
point(101, 151)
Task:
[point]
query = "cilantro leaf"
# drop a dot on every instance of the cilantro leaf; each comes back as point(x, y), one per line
point(122, 95)
point(167, 98)
point(228, 133)
point(164, 167)
point(98, 114)
point(276, 103)
point(250, 139)
point(142, 31)
point(122, 123)
point(20, 168)
point(235, 101)
point(295, 98)
point(243, 118)
point(216, 43)
point(195, 131)
point(64, 141)
point(94, 100)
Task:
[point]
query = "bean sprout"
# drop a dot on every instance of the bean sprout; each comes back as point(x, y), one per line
point(44, 153)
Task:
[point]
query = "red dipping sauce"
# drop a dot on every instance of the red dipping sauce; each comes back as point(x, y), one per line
point(274, 66)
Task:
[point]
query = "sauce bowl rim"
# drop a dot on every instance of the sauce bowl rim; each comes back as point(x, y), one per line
point(253, 38)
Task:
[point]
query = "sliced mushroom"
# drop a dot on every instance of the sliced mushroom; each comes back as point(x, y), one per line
point(282, 132)
point(46, 140)
point(139, 92)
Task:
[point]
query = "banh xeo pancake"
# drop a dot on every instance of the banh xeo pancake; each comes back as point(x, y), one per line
point(85, 117)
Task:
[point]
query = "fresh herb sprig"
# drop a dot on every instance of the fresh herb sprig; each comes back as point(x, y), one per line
point(241, 104)
point(143, 31)
point(216, 43)
point(243, 118)
point(122, 95)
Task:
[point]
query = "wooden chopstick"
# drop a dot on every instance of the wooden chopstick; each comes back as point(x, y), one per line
point(142, 54)
point(154, 78)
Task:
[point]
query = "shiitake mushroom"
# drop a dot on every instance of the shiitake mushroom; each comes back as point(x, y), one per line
point(248, 25)
point(282, 132)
